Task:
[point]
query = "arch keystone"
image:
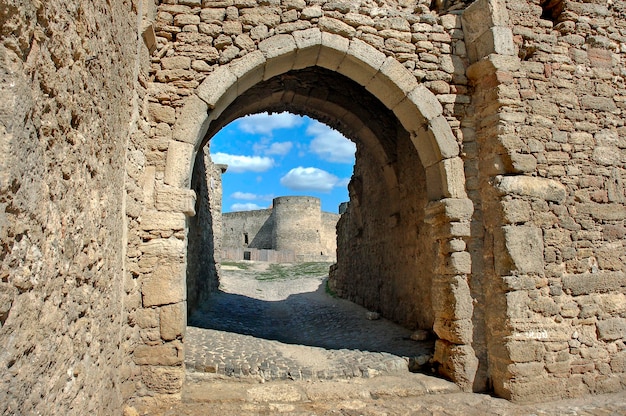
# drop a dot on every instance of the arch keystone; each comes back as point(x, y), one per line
point(308, 43)
point(333, 51)
point(362, 62)
point(280, 51)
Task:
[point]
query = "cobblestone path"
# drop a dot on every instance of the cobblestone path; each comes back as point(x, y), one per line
point(282, 325)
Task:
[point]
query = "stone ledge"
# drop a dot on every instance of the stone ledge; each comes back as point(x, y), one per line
point(587, 283)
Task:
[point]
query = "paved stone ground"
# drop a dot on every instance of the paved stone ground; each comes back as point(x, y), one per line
point(282, 325)
point(282, 346)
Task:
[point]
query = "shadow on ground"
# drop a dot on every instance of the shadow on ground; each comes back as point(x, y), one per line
point(312, 319)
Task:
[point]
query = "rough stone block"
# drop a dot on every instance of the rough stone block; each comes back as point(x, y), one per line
point(426, 102)
point(609, 212)
point(392, 83)
point(176, 62)
point(327, 24)
point(588, 283)
point(546, 189)
point(482, 15)
point(458, 363)
point(220, 85)
point(449, 209)
point(165, 380)
point(332, 51)
point(191, 121)
point(158, 220)
point(455, 331)
point(178, 164)
point(612, 329)
point(164, 286)
point(362, 62)
point(249, 70)
point(168, 354)
point(525, 351)
point(177, 200)
point(308, 44)
point(171, 248)
point(446, 179)
point(173, 320)
point(456, 263)
point(519, 248)
point(446, 144)
point(496, 40)
point(161, 113)
point(452, 298)
point(279, 51)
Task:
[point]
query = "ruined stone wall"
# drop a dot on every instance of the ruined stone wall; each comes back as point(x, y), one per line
point(257, 224)
point(549, 117)
point(383, 255)
point(294, 224)
point(205, 231)
point(328, 234)
point(67, 82)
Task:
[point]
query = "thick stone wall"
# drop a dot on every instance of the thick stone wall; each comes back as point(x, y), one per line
point(256, 224)
point(205, 231)
point(549, 121)
point(68, 75)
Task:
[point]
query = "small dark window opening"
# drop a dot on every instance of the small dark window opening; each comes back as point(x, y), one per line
point(552, 9)
point(246, 255)
point(245, 238)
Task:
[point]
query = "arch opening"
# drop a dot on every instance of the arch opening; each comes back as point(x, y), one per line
point(385, 249)
point(438, 221)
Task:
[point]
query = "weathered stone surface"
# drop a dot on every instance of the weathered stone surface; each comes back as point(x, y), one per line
point(547, 189)
point(164, 286)
point(163, 379)
point(173, 320)
point(612, 329)
point(587, 283)
point(520, 249)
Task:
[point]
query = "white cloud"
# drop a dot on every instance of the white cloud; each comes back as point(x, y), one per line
point(310, 179)
point(245, 207)
point(251, 197)
point(239, 164)
point(329, 144)
point(264, 123)
point(244, 195)
point(280, 149)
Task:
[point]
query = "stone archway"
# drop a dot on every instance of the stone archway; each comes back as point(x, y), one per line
point(416, 109)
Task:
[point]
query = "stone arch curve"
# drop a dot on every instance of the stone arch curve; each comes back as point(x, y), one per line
point(416, 108)
point(420, 114)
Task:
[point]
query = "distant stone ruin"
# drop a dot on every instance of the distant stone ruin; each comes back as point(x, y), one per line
point(293, 229)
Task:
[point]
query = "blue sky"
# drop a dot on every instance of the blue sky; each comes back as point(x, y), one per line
point(279, 155)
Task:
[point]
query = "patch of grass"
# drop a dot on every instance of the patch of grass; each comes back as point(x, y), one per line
point(241, 266)
point(294, 271)
point(328, 290)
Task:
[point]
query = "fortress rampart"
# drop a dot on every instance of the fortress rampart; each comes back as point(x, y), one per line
point(294, 228)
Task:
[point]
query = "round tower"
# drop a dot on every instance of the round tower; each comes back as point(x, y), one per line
point(297, 224)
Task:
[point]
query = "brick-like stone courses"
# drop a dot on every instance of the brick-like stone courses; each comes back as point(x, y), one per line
point(196, 40)
point(66, 97)
point(549, 167)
